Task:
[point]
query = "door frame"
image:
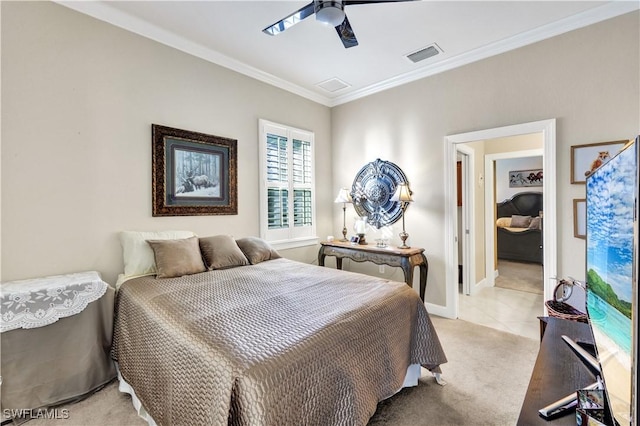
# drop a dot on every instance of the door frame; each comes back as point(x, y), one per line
point(550, 255)
point(467, 237)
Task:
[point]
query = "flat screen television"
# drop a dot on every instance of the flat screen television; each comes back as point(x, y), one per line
point(612, 274)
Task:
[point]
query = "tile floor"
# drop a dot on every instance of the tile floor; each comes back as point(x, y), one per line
point(507, 310)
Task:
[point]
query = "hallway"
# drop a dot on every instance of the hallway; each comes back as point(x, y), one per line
point(503, 308)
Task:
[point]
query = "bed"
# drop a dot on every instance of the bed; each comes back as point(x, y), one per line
point(270, 341)
point(519, 228)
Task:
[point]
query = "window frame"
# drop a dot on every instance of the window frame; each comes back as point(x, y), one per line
point(292, 236)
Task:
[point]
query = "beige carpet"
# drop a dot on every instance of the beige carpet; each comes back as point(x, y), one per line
point(487, 373)
point(520, 276)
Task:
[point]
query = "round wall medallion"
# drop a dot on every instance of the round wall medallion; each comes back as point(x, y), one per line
point(372, 189)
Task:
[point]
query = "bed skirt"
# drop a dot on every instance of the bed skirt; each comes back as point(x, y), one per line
point(410, 380)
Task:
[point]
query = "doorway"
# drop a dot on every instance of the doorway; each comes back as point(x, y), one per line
point(465, 214)
point(491, 197)
point(548, 131)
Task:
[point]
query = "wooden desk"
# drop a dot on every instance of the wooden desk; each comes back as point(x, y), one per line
point(407, 259)
point(558, 372)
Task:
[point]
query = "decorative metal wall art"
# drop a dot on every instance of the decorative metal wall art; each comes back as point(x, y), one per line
point(372, 190)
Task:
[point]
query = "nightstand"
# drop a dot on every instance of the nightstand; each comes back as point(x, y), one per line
point(56, 339)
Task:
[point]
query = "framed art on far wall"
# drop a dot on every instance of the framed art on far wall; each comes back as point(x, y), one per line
point(586, 158)
point(580, 218)
point(525, 178)
point(193, 174)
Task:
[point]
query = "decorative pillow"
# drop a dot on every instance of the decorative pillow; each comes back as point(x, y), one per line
point(503, 222)
point(221, 251)
point(535, 223)
point(137, 254)
point(257, 250)
point(175, 258)
point(518, 221)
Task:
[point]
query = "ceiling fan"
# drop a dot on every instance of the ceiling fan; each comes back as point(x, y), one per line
point(330, 12)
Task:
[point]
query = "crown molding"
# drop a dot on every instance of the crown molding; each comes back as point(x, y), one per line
point(574, 22)
point(104, 12)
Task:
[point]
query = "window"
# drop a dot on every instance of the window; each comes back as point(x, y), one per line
point(287, 190)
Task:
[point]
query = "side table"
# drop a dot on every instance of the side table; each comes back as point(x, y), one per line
point(407, 259)
point(56, 340)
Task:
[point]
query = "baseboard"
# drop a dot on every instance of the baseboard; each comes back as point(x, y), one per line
point(482, 283)
point(438, 310)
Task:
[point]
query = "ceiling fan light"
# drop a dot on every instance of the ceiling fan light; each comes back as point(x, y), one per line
point(331, 14)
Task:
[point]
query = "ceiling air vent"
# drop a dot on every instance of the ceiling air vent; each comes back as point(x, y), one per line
point(424, 53)
point(333, 85)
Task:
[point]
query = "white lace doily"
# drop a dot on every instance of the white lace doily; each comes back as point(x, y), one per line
point(42, 301)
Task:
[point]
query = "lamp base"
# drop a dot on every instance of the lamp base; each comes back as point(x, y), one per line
point(362, 239)
point(344, 235)
point(403, 236)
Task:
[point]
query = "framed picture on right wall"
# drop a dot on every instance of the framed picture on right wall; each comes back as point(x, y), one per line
point(580, 218)
point(586, 158)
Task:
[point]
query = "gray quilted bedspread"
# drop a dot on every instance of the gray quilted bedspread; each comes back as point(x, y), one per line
point(277, 343)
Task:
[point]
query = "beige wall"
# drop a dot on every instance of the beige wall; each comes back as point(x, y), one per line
point(79, 97)
point(514, 143)
point(78, 100)
point(587, 79)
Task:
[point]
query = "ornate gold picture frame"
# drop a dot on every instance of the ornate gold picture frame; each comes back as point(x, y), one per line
point(193, 174)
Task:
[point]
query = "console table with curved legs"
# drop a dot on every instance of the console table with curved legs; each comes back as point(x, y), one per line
point(407, 259)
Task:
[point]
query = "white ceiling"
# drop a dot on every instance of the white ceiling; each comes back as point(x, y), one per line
point(229, 33)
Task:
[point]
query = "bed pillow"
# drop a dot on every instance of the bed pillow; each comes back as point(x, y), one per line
point(503, 222)
point(535, 223)
point(138, 255)
point(221, 251)
point(257, 250)
point(175, 258)
point(518, 221)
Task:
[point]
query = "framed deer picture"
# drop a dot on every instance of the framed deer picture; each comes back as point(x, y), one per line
point(193, 174)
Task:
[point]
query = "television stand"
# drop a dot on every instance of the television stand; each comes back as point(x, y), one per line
point(565, 405)
point(589, 347)
point(583, 354)
point(557, 372)
point(569, 402)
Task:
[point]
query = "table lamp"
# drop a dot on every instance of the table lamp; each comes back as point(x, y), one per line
point(403, 196)
point(344, 197)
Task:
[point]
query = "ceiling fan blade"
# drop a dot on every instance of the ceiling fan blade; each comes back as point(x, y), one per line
point(346, 34)
point(348, 2)
point(289, 20)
